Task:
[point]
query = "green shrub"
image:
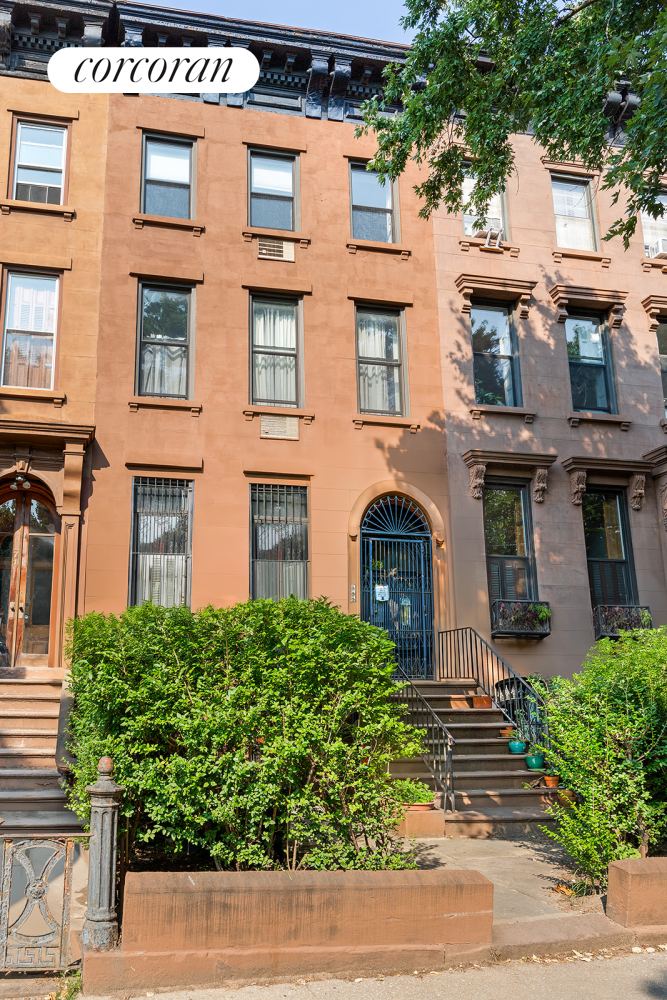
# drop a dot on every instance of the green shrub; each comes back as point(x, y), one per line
point(411, 792)
point(608, 742)
point(261, 732)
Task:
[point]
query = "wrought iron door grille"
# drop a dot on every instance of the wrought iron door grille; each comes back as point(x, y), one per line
point(396, 586)
point(35, 900)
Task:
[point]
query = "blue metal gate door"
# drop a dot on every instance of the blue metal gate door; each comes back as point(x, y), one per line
point(396, 590)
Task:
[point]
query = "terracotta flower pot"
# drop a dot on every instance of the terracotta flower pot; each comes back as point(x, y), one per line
point(507, 731)
point(421, 807)
point(552, 780)
point(566, 798)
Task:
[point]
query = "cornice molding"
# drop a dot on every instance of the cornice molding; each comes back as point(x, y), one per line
point(591, 463)
point(566, 297)
point(518, 459)
point(485, 286)
point(47, 431)
point(655, 306)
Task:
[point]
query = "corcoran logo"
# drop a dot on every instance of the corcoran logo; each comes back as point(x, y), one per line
point(153, 71)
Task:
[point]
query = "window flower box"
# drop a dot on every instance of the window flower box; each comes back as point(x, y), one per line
point(520, 619)
point(612, 619)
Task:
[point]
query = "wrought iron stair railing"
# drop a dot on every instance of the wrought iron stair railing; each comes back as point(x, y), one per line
point(464, 653)
point(438, 740)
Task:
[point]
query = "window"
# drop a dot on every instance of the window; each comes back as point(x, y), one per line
point(494, 358)
point(272, 187)
point(274, 352)
point(161, 541)
point(279, 525)
point(610, 569)
point(662, 352)
point(372, 206)
point(31, 313)
point(40, 163)
point(164, 342)
point(590, 364)
point(495, 219)
point(379, 365)
point(167, 189)
point(573, 211)
point(655, 229)
point(507, 531)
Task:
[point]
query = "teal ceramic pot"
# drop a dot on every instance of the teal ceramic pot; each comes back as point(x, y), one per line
point(535, 761)
point(516, 746)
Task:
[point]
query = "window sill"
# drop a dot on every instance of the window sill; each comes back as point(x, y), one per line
point(485, 409)
point(589, 416)
point(45, 395)
point(580, 255)
point(276, 234)
point(378, 420)
point(648, 263)
point(163, 403)
point(8, 205)
point(165, 222)
point(397, 248)
point(471, 241)
point(278, 411)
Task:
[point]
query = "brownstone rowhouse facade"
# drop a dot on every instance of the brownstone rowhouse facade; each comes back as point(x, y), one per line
point(267, 375)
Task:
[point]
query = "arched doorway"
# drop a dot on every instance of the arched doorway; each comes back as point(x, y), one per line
point(396, 579)
point(29, 531)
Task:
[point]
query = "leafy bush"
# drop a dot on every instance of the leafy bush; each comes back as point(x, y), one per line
point(411, 792)
point(262, 732)
point(608, 741)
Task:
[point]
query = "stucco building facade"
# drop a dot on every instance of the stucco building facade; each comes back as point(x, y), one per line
point(267, 375)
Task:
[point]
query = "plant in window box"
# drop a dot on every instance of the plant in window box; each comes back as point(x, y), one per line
point(521, 616)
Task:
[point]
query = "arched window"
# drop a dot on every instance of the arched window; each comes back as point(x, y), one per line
point(396, 579)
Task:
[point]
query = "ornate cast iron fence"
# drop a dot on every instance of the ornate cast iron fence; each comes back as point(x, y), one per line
point(611, 619)
point(439, 741)
point(520, 619)
point(36, 887)
point(464, 653)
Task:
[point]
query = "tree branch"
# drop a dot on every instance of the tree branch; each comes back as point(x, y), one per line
point(571, 13)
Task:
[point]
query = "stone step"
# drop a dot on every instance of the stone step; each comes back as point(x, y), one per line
point(496, 821)
point(29, 799)
point(479, 798)
point(46, 821)
point(48, 695)
point(25, 738)
point(494, 779)
point(475, 730)
point(26, 756)
point(29, 718)
point(12, 778)
point(469, 716)
point(452, 685)
point(466, 746)
point(488, 762)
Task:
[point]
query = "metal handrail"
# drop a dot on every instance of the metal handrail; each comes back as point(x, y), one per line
point(464, 653)
point(439, 741)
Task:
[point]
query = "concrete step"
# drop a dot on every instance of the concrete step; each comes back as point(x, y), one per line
point(48, 694)
point(28, 799)
point(24, 717)
point(46, 821)
point(476, 730)
point(465, 746)
point(479, 798)
point(494, 779)
point(450, 686)
point(17, 778)
point(469, 716)
point(27, 756)
point(559, 933)
point(24, 738)
point(407, 766)
point(496, 821)
point(488, 762)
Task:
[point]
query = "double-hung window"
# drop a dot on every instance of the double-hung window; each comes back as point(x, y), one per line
point(508, 536)
point(494, 223)
point(275, 349)
point(373, 214)
point(272, 190)
point(167, 181)
point(662, 352)
point(590, 364)
point(161, 541)
point(39, 163)
point(31, 316)
point(610, 564)
point(380, 378)
point(279, 529)
point(655, 230)
point(573, 213)
point(495, 364)
point(163, 357)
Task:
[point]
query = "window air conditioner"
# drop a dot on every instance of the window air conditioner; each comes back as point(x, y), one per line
point(658, 249)
point(269, 249)
point(490, 225)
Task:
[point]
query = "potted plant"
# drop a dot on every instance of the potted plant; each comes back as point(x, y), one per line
point(506, 731)
point(534, 759)
point(417, 797)
point(551, 778)
point(517, 743)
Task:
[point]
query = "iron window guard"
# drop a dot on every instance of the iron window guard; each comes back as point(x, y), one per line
point(612, 619)
point(520, 619)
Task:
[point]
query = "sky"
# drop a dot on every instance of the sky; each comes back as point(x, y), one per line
point(366, 18)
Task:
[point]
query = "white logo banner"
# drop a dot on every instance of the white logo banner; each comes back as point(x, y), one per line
point(153, 70)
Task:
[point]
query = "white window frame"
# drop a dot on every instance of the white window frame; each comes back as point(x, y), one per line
point(401, 364)
point(590, 200)
point(395, 213)
point(8, 275)
point(167, 287)
point(171, 140)
point(34, 123)
point(278, 154)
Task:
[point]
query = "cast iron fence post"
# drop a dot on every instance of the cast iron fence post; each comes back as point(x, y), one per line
point(100, 929)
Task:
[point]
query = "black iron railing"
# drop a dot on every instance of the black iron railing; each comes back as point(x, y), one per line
point(520, 619)
point(464, 653)
point(612, 619)
point(438, 741)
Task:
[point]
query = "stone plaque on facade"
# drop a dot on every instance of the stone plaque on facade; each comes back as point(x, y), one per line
point(279, 427)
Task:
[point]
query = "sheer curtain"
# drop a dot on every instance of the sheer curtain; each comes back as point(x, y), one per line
point(379, 366)
point(161, 542)
point(655, 229)
point(164, 342)
point(274, 352)
point(29, 331)
point(572, 212)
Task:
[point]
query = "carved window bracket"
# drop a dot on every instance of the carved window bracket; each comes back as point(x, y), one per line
point(486, 287)
point(536, 466)
point(637, 490)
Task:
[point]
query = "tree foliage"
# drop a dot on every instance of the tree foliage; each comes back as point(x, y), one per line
point(261, 732)
point(481, 71)
point(608, 742)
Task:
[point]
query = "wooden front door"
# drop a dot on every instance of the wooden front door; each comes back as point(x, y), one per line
point(29, 532)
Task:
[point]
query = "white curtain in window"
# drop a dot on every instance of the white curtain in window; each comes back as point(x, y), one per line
point(572, 213)
point(164, 370)
point(277, 579)
point(655, 229)
point(274, 330)
point(30, 326)
point(377, 335)
point(162, 579)
point(166, 162)
point(494, 215)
